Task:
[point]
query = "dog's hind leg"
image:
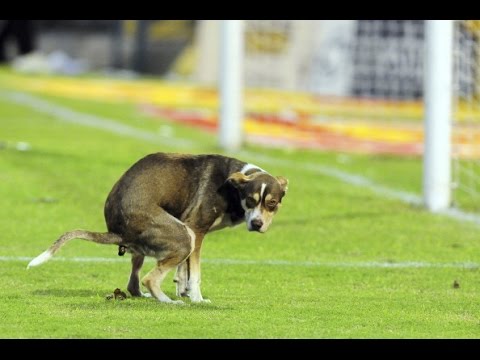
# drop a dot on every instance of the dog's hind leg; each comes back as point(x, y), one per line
point(195, 275)
point(171, 242)
point(134, 282)
point(155, 277)
point(181, 278)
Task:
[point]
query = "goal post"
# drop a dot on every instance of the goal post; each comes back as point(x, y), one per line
point(438, 69)
point(231, 84)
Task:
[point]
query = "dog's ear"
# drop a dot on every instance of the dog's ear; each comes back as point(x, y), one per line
point(237, 180)
point(283, 183)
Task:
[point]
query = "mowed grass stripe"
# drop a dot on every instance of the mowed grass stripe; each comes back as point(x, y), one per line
point(361, 264)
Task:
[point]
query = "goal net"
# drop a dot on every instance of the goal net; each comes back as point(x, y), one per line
point(466, 115)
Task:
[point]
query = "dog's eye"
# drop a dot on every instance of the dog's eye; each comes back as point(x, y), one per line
point(271, 204)
point(250, 202)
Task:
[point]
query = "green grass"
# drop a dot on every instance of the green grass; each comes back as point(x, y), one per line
point(322, 221)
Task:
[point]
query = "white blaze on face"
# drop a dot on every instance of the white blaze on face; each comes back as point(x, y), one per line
point(258, 213)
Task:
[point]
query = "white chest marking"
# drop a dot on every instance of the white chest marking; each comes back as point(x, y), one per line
point(217, 222)
point(221, 222)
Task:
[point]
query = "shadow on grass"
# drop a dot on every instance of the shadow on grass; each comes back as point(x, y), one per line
point(65, 292)
point(146, 304)
point(134, 302)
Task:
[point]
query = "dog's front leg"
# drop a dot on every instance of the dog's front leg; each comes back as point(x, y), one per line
point(194, 279)
point(181, 278)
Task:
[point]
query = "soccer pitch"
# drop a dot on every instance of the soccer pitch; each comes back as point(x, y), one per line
point(340, 260)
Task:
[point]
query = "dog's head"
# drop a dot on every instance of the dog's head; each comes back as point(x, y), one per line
point(260, 196)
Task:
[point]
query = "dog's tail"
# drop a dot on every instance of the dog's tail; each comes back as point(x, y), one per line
point(100, 238)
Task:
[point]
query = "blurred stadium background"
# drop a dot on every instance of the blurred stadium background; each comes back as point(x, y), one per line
point(352, 86)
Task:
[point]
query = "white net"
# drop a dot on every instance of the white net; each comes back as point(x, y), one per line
point(466, 119)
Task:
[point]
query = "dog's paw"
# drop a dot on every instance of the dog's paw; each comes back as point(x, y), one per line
point(146, 295)
point(166, 300)
point(173, 302)
point(178, 302)
point(199, 301)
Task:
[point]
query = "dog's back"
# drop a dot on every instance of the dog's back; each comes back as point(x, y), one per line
point(182, 185)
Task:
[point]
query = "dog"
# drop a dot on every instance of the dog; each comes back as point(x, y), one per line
point(165, 204)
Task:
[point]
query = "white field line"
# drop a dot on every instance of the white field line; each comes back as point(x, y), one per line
point(357, 264)
point(113, 126)
point(75, 117)
point(345, 177)
point(360, 181)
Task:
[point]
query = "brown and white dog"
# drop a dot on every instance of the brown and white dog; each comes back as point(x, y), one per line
point(165, 204)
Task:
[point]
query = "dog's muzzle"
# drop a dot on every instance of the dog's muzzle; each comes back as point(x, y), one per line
point(255, 225)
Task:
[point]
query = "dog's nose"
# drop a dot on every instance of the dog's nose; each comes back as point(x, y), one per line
point(256, 224)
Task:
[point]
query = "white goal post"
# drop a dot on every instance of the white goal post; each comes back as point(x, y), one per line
point(231, 84)
point(438, 69)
